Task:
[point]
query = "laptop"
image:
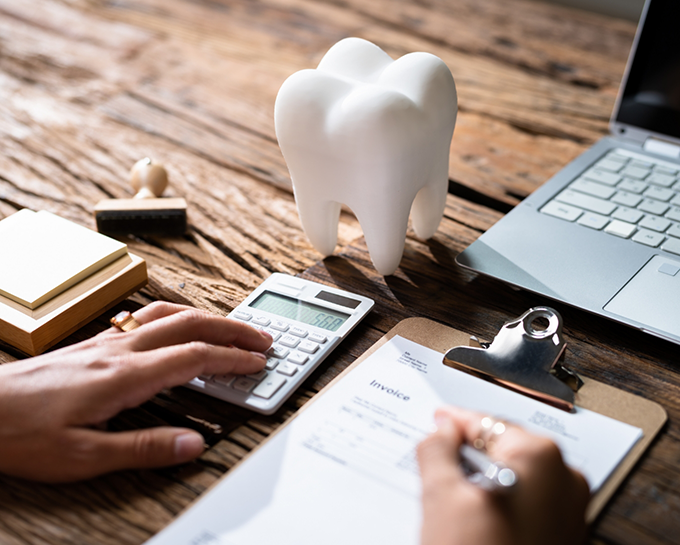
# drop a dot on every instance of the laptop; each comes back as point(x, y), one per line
point(603, 234)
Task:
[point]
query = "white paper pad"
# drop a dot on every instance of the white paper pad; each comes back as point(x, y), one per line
point(344, 471)
point(44, 255)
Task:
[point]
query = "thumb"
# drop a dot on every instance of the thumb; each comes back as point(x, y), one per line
point(438, 455)
point(148, 448)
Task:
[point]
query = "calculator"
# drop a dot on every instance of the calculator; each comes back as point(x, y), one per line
point(306, 320)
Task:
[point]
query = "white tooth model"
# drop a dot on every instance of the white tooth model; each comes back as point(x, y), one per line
point(371, 133)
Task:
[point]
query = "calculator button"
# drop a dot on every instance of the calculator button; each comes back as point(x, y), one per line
point(271, 364)
point(280, 325)
point(240, 315)
point(274, 334)
point(298, 359)
point(243, 384)
point(269, 386)
point(298, 332)
point(309, 347)
point(225, 380)
point(289, 341)
point(315, 337)
point(261, 320)
point(278, 352)
point(287, 369)
point(258, 376)
point(205, 378)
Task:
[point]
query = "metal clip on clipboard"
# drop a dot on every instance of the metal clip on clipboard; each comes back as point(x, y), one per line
point(523, 358)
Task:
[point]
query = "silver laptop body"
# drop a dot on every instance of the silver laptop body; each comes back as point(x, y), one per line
point(603, 234)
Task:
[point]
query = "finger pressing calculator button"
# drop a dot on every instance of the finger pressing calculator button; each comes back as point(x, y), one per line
point(287, 369)
point(315, 337)
point(298, 359)
point(298, 332)
point(243, 384)
point(240, 315)
point(289, 341)
point(274, 334)
point(280, 325)
point(225, 380)
point(271, 364)
point(269, 386)
point(261, 320)
point(278, 352)
point(308, 346)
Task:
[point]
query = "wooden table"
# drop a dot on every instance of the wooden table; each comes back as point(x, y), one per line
point(88, 87)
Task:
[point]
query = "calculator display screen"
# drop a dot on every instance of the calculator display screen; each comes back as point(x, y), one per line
point(294, 309)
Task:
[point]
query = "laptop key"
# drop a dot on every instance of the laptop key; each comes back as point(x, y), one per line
point(674, 230)
point(665, 170)
point(613, 156)
point(635, 172)
point(610, 165)
point(562, 211)
point(639, 163)
point(664, 180)
point(629, 215)
point(592, 220)
point(652, 206)
point(673, 213)
point(592, 188)
point(620, 229)
point(659, 193)
point(623, 198)
point(649, 238)
point(672, 245)
point(593, 204)
point(632, 186)
point(602, 176)
point(655, 223)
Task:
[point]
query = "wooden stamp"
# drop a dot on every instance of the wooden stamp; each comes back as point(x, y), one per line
point(147, 213)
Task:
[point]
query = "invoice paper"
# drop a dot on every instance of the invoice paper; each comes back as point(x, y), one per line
point(344, 471)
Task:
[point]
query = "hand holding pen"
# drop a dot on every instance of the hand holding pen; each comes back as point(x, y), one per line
point(545, 502)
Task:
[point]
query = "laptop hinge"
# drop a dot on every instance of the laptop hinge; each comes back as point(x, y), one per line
point(661, 147)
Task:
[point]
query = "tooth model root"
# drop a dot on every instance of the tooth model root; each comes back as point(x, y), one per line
point(373, 134)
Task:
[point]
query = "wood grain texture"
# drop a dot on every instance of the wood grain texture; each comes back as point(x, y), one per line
point(88, 87)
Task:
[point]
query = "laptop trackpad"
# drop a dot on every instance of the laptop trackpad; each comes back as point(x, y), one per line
point(652, 296)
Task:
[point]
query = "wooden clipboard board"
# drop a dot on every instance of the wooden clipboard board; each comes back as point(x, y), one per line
point(595, 396)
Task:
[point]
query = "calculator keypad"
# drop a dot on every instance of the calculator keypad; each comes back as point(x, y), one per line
point(291, 349)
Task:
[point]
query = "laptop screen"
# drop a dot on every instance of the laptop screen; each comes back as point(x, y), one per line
point(651, 96)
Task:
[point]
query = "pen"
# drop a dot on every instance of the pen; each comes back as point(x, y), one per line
point(484, 472)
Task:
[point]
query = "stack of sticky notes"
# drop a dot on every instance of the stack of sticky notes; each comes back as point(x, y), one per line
point(50, 265)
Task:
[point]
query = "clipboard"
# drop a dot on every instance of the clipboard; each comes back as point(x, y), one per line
point(248, 490)
point(595, 396)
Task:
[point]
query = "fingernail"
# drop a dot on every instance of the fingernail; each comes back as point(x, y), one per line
point(266, 335)
point(260, 355)
point(188, 446)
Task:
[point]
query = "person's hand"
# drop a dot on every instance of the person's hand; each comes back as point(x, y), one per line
point(51, 405)
point(546, 506)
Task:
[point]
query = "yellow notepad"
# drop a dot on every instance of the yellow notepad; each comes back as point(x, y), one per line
point(42, 255)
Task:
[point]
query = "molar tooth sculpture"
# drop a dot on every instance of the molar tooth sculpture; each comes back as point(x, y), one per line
point(371, 133)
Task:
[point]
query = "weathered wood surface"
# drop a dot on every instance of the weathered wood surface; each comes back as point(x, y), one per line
point(88, 87)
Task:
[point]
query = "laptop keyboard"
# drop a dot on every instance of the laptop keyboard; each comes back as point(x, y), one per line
point(627, 195)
